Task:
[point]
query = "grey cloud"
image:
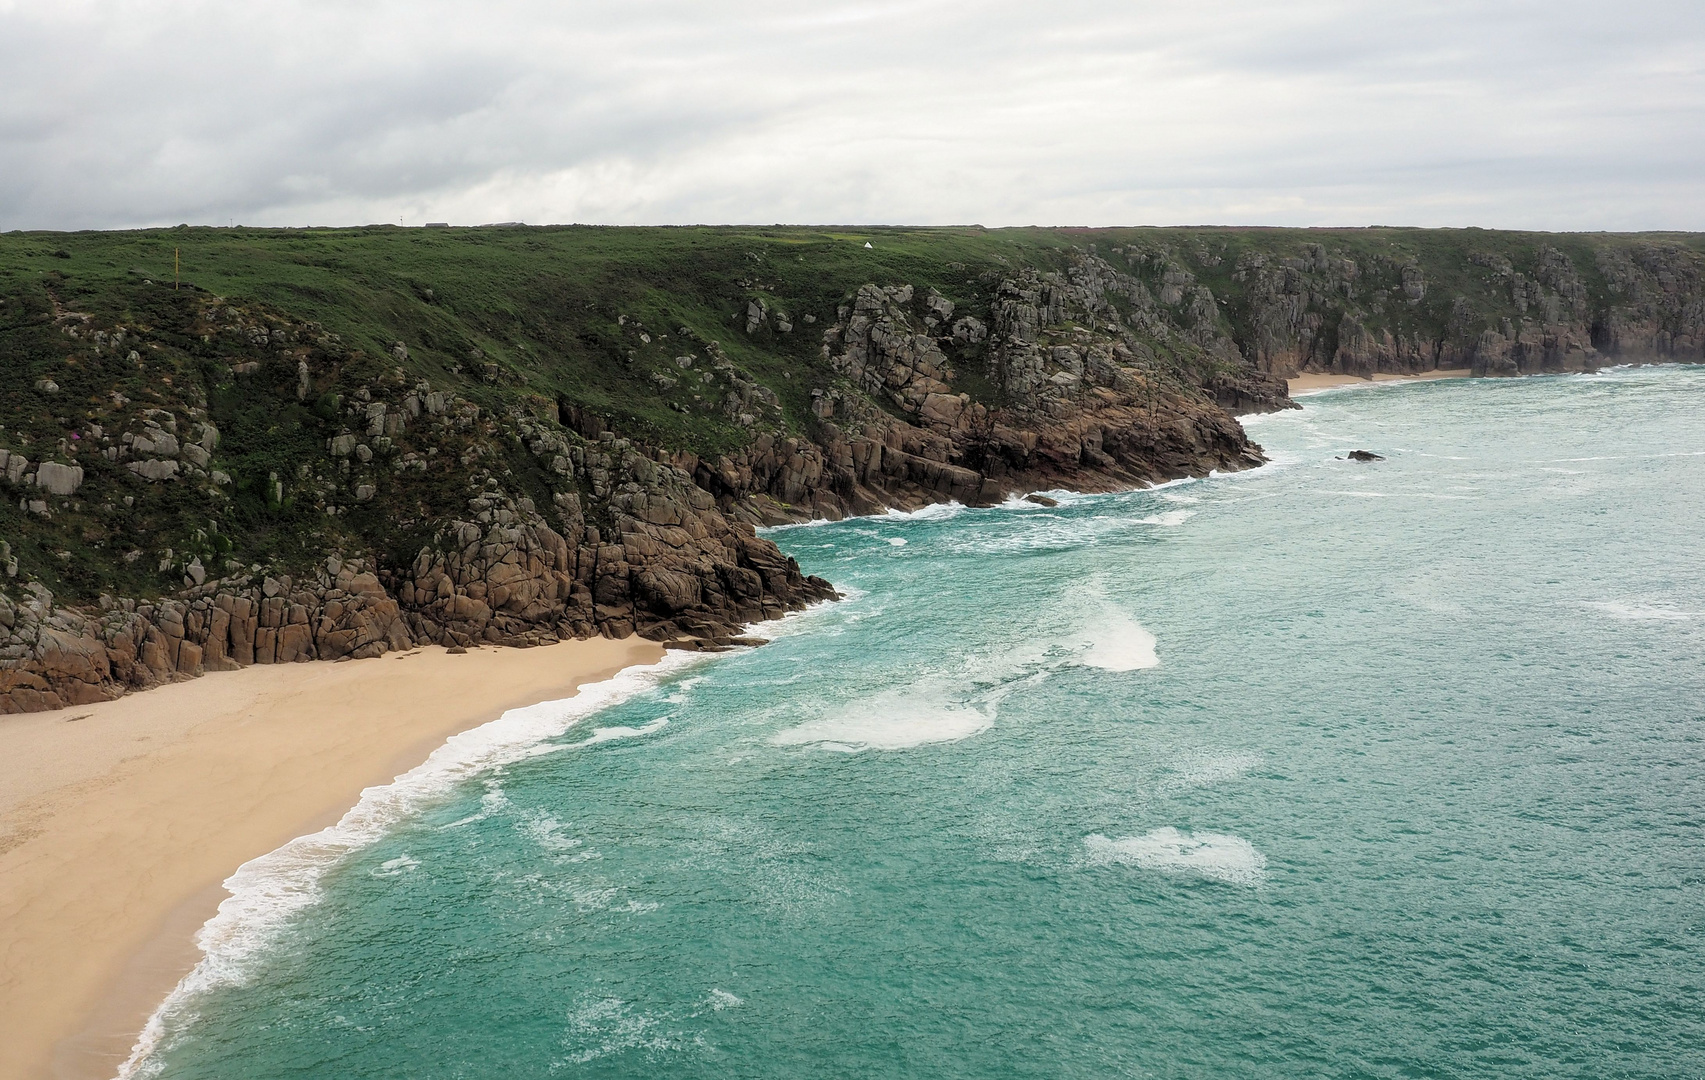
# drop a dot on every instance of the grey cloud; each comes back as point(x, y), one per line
point(1562, 115)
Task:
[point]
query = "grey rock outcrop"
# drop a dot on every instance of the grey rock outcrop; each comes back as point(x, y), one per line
point(154, 469)
point(58, 479)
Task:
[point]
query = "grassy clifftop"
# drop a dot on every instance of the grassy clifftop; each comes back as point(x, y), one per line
point(559, 311)
point(303, 391)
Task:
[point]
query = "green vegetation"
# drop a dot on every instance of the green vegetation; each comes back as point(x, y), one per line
point(523, 330)
point(545, 306)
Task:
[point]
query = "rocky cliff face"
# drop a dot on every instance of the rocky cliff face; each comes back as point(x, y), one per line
point(198, 484)
point(1076, 393)
point(677, 572)
point(669, 565)
point(1325, 310)
point(562, 526)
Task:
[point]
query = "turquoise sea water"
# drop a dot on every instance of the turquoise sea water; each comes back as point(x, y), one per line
point(1322, 770)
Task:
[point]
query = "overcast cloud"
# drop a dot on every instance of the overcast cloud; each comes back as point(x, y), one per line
point(1557, 115)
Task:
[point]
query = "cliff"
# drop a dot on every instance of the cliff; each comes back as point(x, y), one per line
point(331, 443)
point(1494, 303)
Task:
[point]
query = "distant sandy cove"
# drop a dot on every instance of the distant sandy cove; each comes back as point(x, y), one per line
point(1307, 381)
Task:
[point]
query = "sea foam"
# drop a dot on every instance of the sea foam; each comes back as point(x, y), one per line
point(1218, 856)
point(267, 892)
point(948, 703)
point(722, 999)
point(1200, 769)
point(1119, 643)
point(600, 1027)
point(609, 734)
point(893, 721)
point(1637, 612)
point(1168, 518)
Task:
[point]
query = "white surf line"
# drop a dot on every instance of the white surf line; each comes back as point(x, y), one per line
point(266, 892)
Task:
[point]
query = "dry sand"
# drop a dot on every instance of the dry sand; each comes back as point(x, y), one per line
point(118, 821)
point(1308, 381)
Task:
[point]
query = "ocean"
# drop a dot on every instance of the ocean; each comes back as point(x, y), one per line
point(1325, 769)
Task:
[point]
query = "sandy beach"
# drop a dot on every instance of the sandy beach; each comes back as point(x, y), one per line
point(1310, 381)
point(118, 821)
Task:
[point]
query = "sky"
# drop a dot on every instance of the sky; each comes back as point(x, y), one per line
point(1566, 114)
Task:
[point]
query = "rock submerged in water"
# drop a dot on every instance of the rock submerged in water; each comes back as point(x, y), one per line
point(1041, 500)
point(1364, 455)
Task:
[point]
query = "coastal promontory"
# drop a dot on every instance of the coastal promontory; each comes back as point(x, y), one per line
point(224, 447)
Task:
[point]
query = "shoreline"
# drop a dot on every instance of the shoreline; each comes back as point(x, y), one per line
point(1310, 382)
point(120, 821)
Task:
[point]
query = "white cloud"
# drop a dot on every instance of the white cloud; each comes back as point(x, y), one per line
point(1569, 114)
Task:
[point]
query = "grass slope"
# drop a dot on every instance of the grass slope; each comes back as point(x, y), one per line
point(510, 317)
